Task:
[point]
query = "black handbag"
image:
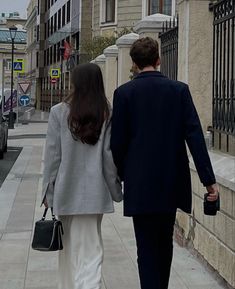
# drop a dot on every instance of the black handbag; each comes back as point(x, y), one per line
point(211, 208)
point(48, 234)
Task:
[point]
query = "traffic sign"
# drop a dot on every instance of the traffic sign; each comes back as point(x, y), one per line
point(54, 80)
point(55, 73)
point(24, 86)
point(18, 65)
point(24, 100)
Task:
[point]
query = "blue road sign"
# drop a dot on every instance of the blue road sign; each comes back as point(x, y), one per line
point(18, 66)
point(24, 100)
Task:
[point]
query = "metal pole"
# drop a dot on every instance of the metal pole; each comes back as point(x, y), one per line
point(11, 114)
point(51, 95)
point(3, 88)
point(61, 71)
point(17, 102)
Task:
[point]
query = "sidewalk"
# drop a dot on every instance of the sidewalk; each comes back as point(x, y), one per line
point(23, 268)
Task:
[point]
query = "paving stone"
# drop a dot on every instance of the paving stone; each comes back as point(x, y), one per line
point(41, 278)
point(12, 284)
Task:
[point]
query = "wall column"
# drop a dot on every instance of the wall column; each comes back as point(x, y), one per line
point(111, 54)
point(124, 60)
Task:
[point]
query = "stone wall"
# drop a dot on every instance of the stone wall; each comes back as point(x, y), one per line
point(212, 237)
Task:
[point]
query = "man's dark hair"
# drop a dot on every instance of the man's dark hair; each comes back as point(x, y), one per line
point(144, 52)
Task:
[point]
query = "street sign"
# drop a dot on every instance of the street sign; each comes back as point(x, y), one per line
point(54, 80)
point(24, 100)
point(55, 73)
point(24, 86)
point(18, 65)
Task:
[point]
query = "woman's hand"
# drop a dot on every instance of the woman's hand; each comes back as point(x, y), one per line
point(45, 203)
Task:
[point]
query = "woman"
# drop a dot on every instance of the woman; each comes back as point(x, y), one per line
point(80, 179)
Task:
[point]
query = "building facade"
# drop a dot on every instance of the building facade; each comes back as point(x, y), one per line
point(31, 50)
point(71, 23)
point(6, 53)
point(61, 26)
point(113, 15)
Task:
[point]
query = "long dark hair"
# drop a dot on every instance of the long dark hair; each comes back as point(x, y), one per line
point(89, 106)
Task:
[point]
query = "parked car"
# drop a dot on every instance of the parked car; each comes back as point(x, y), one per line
point(3, 137)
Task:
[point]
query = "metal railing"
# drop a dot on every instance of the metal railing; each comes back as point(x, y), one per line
point(169, 49)
point(223, 72)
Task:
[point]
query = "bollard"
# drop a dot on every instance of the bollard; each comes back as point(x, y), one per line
point(42, 115)
point(208, 139)
point(28, 115)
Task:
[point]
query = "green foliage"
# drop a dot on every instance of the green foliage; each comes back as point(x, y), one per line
point(96, 46)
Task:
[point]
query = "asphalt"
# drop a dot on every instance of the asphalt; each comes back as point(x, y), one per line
point(23, 268)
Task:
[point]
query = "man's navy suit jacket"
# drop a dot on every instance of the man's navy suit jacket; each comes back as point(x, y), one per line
point(153, 119)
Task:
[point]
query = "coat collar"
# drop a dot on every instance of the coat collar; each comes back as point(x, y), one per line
point(149, 74)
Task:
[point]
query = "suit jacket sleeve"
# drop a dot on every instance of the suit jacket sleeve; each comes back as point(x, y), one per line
point(195, 140)
point(109, 169)
point(120, 135)
point(52, 158)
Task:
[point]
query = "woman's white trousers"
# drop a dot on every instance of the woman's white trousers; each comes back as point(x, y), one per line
point(81, 259)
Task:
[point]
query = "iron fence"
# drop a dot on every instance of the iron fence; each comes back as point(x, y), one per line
point(169, 49)
point(223, 69)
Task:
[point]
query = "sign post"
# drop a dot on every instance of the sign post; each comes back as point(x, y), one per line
point(53, 82)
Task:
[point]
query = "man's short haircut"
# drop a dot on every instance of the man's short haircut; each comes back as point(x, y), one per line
point(145, 52)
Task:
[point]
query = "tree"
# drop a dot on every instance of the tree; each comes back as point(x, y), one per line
point(95, 47)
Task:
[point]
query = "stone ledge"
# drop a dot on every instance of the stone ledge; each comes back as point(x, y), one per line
point(224, 168)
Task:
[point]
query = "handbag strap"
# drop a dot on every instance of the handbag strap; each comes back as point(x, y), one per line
point(45, 213)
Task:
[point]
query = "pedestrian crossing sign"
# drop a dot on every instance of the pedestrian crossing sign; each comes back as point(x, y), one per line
point(18, 65)
point(55, 73)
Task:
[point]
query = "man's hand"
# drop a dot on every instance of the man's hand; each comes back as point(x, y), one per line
point(213, 191)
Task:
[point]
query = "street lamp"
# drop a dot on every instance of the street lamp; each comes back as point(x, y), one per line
point(13, 30)
point(62, 50)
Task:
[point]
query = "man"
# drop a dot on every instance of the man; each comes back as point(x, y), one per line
point(153, 117)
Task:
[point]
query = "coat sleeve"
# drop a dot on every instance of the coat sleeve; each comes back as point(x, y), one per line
point(52, 158)
point(195, 140)
point(120, 134)
point(109, 169)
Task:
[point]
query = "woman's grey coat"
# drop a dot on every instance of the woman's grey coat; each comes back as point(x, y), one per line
point(78, 178)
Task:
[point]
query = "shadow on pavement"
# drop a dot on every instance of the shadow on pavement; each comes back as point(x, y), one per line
point(8, 161)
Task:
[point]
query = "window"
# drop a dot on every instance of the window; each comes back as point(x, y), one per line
point(59, 19)
point(68, 11)
point(63, 15)
point(8, 64)
point(108, 11)
point(45, 30)
point(38, 32)
point(52, 24)
point(54, 54)
point(37, 59)
point(160, 6)
point(48, 28)
point(55, 22)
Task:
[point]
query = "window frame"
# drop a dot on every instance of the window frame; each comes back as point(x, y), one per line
point(103, 13)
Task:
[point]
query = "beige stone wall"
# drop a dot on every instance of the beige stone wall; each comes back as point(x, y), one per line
point(86, 24)
point(212, 237)
point(129, 12)
point(195, 54)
